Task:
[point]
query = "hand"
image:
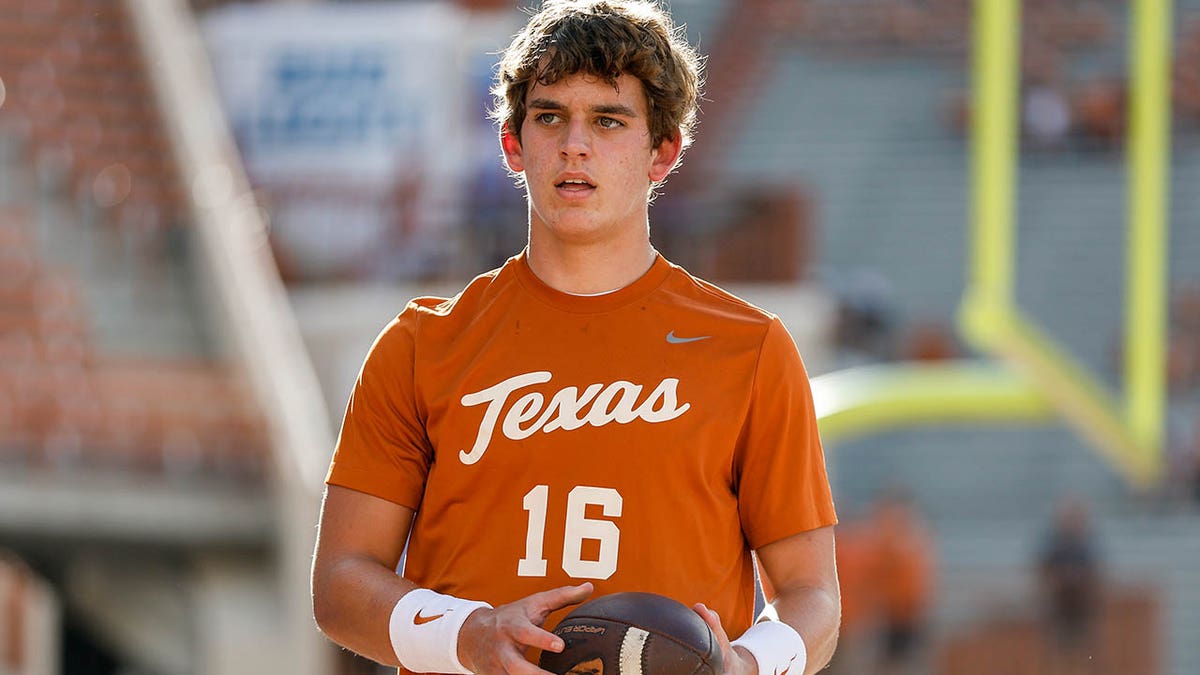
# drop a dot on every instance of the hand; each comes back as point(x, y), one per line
point(495, 640)
point(737, 660)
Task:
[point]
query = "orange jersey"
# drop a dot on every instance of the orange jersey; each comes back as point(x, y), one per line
point(647, 439)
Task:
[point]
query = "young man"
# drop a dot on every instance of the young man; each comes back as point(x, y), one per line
point(588, 418)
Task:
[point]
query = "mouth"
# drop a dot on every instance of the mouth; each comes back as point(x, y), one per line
point(575, 184)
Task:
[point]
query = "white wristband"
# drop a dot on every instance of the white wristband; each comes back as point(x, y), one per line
point(424, 630)
point(776, 646)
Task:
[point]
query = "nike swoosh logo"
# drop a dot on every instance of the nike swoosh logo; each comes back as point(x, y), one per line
point(419, 620)
point(675, 340)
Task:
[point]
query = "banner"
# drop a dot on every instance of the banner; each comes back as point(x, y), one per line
point(353, 121)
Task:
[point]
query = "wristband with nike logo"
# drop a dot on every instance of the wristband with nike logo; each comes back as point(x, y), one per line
point(776, 646)
point(424, 629)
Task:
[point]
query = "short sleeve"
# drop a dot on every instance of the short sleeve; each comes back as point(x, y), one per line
point(382, 449)
point(779, 466)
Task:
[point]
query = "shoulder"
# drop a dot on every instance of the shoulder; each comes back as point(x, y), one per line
point(431, 317)
point(748, 325)
point(423, 311)
point(707, 298)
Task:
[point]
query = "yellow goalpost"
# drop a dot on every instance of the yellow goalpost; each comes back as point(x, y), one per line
point(1031, 378)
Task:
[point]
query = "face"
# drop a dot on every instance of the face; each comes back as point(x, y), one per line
point(586, 155)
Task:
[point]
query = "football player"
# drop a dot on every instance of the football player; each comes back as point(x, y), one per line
point(588, 418)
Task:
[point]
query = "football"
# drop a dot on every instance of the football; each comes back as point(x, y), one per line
point(634, 634)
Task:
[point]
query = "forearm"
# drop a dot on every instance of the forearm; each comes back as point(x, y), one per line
point(353, 600)
point(815, 613)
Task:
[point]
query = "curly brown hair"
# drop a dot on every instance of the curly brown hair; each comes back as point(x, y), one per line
point(604, 38)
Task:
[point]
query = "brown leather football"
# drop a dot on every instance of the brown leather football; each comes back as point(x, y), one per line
point(634, 634)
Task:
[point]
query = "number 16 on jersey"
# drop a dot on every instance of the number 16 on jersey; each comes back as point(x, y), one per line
point(579, 527)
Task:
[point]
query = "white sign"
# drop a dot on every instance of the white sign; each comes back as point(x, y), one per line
point(352, 118)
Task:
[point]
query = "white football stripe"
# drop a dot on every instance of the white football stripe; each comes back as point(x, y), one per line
point(631, 651)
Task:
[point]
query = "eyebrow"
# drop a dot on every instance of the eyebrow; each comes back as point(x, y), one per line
point(603, 109)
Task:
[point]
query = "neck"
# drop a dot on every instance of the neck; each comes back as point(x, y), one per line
point(586, 269)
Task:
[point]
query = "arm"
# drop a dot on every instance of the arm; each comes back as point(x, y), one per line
point(808, 598)
point(354, 583)
point(355, 587)
point(803, 571)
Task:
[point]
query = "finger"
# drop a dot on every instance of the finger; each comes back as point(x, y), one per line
point(515, 664)
point(711, 617)
point(557, 598)
point(713, 620)
point(571, 595)
point(533, 636)
point(728, 654)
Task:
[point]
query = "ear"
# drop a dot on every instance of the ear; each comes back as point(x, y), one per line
point(511, 145)
point(665, 156)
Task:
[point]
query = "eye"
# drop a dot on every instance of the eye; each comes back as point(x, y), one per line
point(610, 122)
point(546, 118)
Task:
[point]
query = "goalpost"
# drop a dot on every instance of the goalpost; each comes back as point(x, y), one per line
point(1031, 378)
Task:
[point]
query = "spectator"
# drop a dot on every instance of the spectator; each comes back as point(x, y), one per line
point(1193, 469)
point(1185, 86)
point(1046, 116)
point(930, 341)
point(904, 570)
point(1183, 403)
point(866, 318)
point(1070, 589)
point(1100, 109)
point(1045, 110)
point(855, 550)
point(1180, 486)
point(1185, 336)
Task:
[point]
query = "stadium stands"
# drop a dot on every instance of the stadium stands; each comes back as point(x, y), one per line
point(87, 112)
point(68, 403)
point(123, 420)
point(86, 382)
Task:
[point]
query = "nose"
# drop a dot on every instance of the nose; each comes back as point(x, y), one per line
point(576, 140)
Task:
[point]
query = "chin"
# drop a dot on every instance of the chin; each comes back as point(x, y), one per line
point(571, 224)
point(578, 235)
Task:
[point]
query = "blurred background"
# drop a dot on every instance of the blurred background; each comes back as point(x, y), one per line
point(209, 209)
